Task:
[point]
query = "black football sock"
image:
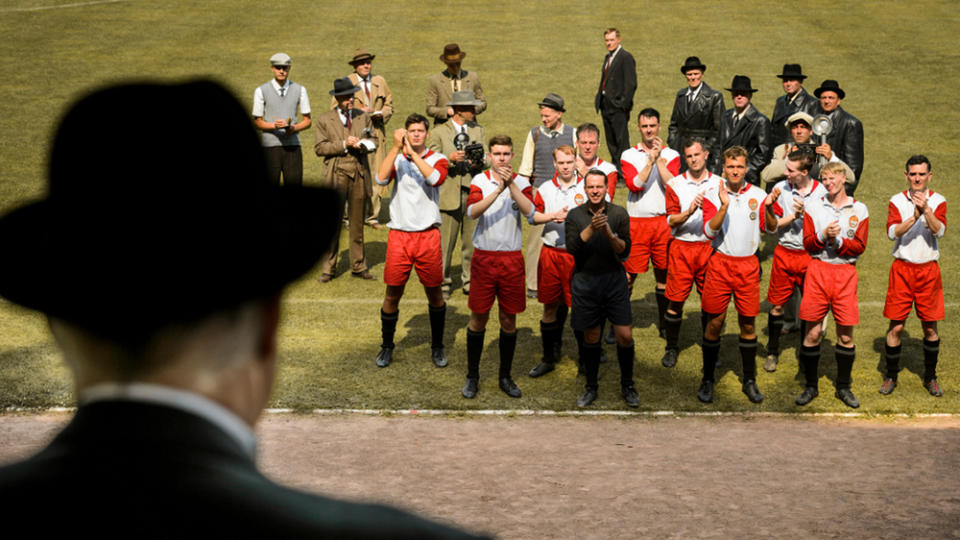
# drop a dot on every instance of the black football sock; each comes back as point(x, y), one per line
point(661, 295)
point(474, 351)
point(508, 344)
point(672, 324)
point(931, 350)
point(845, 357)
point(438, 316)
point(775, 327)
point(625, 359)
point(892, 355)
point(591, 364)
point(748, 358)
point(388, 327)
point(810, 360)
point(711, 350)
point(548, 335)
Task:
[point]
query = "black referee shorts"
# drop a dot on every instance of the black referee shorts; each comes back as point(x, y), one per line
point(597, 297)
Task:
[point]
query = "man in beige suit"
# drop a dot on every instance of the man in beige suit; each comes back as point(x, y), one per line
point(444, 84)
point(375, 99)
point(452, 139)
point(344, 138)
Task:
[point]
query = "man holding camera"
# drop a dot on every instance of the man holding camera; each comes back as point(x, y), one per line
point(801, 139)
point(344, 138)
point(461, 140)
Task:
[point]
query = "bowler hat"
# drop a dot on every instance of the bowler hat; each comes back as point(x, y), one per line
point(136, 233)
point(692, 62)
point(792, 71)
point(464, 98)
point(344, 87)
point(741, 83)
point(830, 85)
point(452, 54)
point(280, 59)
point(361, 55)
point(553, 101)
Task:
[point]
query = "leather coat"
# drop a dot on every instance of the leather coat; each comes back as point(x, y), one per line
point(779, 133)
point(753, 133)
point(701, 118)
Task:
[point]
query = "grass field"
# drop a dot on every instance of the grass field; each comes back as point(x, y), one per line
point(895, 60)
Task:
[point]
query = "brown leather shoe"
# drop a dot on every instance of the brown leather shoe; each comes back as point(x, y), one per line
point(325, 278)
point(363, 275)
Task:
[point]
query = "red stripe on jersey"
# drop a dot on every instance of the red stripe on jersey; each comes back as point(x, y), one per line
point(893, 215)
point(855, 246)
point(672, 201)
point(810, 241)
point(538, 203)
point(528, 192)
point(673, 167)
point(475, 196)
point(941, 213)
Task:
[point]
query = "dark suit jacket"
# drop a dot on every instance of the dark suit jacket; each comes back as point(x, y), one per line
point(137, 470)
point(698, 119)
point(784, 109)
point(621, 83)
point(752, 133)
point(846, 139)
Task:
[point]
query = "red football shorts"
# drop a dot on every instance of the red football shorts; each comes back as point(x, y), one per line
point(408, 250)
point(500, 275)
point(726, 275)
point(789, 268)
point(830, 287)
point(914, 283)
point(688, 265)
point(554, 273)
point(649, 239)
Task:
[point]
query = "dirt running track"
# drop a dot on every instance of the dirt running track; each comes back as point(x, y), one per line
point(601, 477)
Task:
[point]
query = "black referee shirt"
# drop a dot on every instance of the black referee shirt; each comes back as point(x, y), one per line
point(597, 256)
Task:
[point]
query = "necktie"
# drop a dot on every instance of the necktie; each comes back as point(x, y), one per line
point(606, 68)
point(349, 123)
point(366, 88)
point(283, 91)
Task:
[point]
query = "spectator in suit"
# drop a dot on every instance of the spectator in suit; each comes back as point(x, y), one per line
point(846, 137)
point(795, 99)
point(453, 79)
point(614, 99)
point(743, 125)
point(697, 111)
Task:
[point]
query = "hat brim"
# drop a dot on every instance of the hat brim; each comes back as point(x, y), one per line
point(685, 69)
point(553, 106)
point(357, 61)
point(140, 267)
point(346, 92)
point(476, 103)
point(453, 60)
point(840, 93)
point(788, 76)
point(750, 90)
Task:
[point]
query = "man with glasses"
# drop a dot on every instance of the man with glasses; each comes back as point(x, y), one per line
point(275, 105)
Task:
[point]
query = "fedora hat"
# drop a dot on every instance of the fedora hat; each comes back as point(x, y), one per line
point(452, 54)
point(553, 101)
point(830, 85)
point(361, 55)
point(464, 98)
point(741, 83)
point(792, 71)
point(692, 62)
point(159, 229)
point(344, 87)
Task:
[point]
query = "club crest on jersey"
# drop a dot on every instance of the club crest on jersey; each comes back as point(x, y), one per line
point(753, 204)
point(850, 233)
point(578, 199)
point(854, 221)
point(753, 216)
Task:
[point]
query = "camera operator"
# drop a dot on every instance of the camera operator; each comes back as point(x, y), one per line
point(462, 141)
point(801, 138)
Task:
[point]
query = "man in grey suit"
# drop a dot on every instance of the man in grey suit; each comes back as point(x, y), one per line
point(697, 110)
point(795, 99)
point(452, 139)
point(169, 327)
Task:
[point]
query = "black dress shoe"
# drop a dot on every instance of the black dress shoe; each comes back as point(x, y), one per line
point(325, 278)
point(509, 387)
point(807, 395)
point(611, 337)
point(541, 369)
point(705, 393)
point(365, 275)
point(750, 389)
point(384, 357)
point(470, 389)
point(587, 398)
point(847, 397)
point(630, 396)
point(439, 357)
point(669, 358)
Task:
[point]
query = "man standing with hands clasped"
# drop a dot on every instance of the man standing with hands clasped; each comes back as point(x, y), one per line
point(614, 99)
point(275, 106)
point(598, 237)
point(916, 220)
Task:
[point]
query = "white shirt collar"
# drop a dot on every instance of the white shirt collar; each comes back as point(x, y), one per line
point(277, 87)
point(175, 398)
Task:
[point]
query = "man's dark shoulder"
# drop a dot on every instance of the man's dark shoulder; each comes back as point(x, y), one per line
point(616, 211)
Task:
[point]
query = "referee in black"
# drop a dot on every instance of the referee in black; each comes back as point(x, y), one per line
point(598, 237)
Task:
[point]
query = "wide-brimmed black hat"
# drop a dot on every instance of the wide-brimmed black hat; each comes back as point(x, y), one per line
point(692, 62)
point(554, 101)
point(830, 85)
point(741, 83)
point(792, 71)
point(164, 226)
point(344, 87)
